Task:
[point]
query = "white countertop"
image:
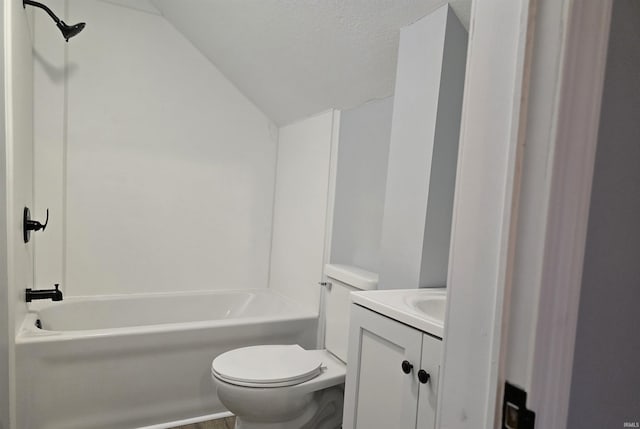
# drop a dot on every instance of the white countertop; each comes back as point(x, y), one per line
point(400, 304)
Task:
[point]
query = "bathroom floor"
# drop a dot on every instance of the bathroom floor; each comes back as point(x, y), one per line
point(226, 423)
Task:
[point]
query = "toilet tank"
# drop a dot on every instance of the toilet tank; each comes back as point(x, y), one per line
point(344, 279)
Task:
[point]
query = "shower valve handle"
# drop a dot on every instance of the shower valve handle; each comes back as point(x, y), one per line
point(32, 225)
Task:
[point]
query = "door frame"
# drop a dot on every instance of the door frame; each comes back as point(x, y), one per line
point(485, 210)
point(6, 315)
point(574, 149)
point(482, 335)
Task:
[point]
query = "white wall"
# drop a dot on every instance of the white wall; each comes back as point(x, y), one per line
point(6, 328)
point(423, 154)
point(606, 375)
point(300, 209)
point(6, 325)
point(163, 171)
point(16, 257)
point(363, 153)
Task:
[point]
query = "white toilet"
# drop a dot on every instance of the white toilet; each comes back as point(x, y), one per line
point(285, 386)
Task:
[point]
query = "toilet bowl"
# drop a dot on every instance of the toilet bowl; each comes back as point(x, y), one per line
point(283, 387)
point(286, 386)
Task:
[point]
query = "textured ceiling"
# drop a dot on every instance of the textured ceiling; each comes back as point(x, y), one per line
point(295, 58)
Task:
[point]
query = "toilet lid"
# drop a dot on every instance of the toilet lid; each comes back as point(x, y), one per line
point(267, 366)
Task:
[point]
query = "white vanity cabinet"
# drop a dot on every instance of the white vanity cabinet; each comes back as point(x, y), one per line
point(392, 374)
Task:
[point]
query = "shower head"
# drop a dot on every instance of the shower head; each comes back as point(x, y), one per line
point(68, 31)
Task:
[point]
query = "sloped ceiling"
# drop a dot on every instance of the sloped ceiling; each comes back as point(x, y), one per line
point(295, 58)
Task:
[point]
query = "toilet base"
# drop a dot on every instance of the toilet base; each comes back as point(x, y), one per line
point(325, 412)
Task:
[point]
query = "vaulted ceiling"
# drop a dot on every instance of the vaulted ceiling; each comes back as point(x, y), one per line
point(295, 58)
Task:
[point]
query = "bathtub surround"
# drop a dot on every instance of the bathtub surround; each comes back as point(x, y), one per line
point(19, 156)
point(137, 361)
point(302, 208)
point(161, 171)
point(363, 154)
point(16, 157)
point(416, 226)
point(49, 157)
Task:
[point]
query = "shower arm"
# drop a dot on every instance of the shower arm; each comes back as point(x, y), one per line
point(41, 6)
point(67, 31)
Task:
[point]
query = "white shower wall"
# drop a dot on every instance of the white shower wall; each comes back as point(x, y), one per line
point(303, 207)
point(16, 168)
point(160, 171)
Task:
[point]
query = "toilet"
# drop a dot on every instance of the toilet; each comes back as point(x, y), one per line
point(286, 386)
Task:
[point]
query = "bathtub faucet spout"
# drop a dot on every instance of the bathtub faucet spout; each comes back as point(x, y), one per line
point(52, 294)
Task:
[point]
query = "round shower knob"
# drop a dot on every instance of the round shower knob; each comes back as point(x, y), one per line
point(406, 366)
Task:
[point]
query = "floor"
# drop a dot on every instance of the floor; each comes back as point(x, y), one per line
point(226, 423)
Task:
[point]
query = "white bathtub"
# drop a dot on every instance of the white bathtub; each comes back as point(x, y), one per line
point(135, 361)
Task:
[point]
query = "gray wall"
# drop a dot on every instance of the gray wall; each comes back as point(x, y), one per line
point(363, 152)
point(605, 390)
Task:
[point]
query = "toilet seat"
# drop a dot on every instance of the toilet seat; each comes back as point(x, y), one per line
point(267, 366)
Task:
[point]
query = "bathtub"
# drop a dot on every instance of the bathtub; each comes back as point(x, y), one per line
point(141, 360)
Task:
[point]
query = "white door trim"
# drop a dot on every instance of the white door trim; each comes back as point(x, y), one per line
point(6, 297)
point(485, 210)
point(579, 99)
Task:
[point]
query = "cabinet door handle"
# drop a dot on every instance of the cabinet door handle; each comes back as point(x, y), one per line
point(406, 366)
point(423, 376)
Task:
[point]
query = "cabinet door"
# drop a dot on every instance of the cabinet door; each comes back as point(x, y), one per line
point(427, 397)
point(378, 394)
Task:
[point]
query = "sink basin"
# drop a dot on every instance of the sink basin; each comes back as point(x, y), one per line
point(431, 307)
point(423, 309)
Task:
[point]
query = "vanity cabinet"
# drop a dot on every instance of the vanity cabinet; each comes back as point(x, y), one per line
point(392, 374)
